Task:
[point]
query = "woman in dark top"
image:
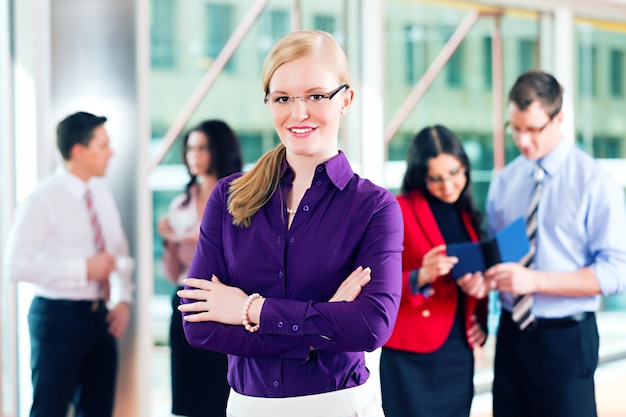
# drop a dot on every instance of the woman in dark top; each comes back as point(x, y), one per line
point(210, 152)
point(427, 366)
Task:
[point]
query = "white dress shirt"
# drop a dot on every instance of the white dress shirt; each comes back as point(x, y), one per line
point(177, 255)
point(52, 238)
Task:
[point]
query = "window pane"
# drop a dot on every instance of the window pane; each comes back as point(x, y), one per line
point(273, 25)
point(616, 76)
point(587, 59)
point(461, 96)
point(527, 55)
point(219, 28)
point(488, 62)
point(600, 107)
point(454, 68)
point(415, 53)
point(162, 31)
point(324, 22)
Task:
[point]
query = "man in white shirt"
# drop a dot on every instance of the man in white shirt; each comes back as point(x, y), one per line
point(67, 239)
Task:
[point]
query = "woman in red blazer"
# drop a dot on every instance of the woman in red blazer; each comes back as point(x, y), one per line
point(427, 366)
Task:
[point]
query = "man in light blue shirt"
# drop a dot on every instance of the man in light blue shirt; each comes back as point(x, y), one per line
point(546, 367)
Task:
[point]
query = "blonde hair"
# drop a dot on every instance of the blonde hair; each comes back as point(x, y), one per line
point(248, 193)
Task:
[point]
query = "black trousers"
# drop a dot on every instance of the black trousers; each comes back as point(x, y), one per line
point(199, 384)
point(73, 358)
point(547, 371)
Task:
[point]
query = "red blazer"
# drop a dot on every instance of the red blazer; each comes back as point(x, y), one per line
point(424, 323)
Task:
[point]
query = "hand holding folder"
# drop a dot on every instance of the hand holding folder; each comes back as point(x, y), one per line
point(508, 245)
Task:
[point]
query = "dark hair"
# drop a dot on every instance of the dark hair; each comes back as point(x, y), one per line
point(76, 129)
point(539, 86)
point(429, 143)
point(224, 149)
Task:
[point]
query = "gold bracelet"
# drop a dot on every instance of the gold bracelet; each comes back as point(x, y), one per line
point(244, 313)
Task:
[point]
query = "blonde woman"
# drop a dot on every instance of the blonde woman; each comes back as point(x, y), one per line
point(269, 282)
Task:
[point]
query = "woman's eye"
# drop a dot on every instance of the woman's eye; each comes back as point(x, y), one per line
point(281, 100)
point(316, 97)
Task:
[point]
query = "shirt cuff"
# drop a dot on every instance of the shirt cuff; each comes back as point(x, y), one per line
point(414, 284)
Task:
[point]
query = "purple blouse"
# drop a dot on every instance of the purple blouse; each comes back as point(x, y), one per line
point(305, 344)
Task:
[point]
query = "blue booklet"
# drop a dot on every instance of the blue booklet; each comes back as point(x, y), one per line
point(508, 245)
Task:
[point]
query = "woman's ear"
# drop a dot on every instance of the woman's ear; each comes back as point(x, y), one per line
point(347, 100)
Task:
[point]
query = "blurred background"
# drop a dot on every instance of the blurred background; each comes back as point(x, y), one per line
point(157, 67)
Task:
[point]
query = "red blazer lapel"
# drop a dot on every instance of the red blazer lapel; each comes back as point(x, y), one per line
point(425, 219)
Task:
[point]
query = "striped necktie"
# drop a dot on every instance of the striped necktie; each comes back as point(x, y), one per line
point(95, 224)
point(98, 240)
point(522, 304)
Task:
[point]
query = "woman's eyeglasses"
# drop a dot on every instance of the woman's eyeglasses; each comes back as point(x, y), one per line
point(438, 180)
point(282, 102)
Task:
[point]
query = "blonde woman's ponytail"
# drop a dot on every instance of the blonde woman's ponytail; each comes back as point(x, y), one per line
point(248, 193)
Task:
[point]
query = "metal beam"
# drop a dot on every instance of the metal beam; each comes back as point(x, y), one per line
point(207, 82)
point(433, 70)
point(497, 94)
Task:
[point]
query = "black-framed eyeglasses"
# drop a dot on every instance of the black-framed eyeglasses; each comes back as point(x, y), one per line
point(509, 129)
point(279, 101)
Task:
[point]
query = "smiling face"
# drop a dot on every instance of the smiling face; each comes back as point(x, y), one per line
point(446, 177)
point(308, 129)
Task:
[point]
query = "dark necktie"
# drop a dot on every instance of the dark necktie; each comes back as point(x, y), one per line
point(522, 304)
point(98, 239)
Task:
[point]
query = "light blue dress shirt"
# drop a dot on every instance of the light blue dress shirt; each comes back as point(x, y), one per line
point(581, 222)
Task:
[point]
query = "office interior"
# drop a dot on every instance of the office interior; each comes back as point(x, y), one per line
point(154, 68)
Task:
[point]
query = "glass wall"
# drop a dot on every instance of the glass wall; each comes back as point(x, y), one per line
point(461, 96)
point(186, 38)
point(601, 89)
point(601, 98)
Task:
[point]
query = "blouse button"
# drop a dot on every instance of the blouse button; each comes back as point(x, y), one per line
point(294, 327)
point(275, 384)
point(293, 239)
point(426, 313)
point(318, 182)
point(280, 324)
point(305, 208)
point(280, 274)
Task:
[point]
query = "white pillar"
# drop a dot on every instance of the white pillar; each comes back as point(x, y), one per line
point(8, 325)
point(33, 147)
point(94, 69)
point(372, 62)
point(564, 65)
point(72, 56)
point(373, 151)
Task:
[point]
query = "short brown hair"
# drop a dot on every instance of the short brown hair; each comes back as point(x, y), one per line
point(539, 86)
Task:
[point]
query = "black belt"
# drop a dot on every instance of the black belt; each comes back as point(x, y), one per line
point(544, 322)
point(92, 305)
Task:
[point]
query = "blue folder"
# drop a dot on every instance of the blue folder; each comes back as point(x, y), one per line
point(508, 245)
